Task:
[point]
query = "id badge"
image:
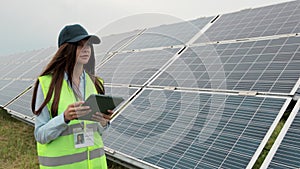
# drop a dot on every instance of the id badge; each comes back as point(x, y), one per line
point(83, 137)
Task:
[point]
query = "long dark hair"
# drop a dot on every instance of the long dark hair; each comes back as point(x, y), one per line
point(63, 61)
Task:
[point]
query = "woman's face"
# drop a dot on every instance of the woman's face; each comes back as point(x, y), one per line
point(83, 52)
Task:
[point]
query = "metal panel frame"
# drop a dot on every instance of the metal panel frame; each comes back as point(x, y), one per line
point(266, 137)
point(281, 135)
point(269, 133)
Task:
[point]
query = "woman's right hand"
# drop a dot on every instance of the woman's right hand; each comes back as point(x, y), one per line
point(75, 110)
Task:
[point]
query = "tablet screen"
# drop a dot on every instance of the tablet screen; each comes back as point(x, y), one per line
point(100, 103)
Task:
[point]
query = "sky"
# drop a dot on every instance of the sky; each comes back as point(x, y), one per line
point(35, 24)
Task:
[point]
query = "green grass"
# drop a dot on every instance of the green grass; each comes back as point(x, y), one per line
point(18, 146)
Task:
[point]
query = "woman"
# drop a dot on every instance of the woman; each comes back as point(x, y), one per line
point(68, 79)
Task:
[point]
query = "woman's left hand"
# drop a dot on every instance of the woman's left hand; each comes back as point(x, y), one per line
point(102, 118)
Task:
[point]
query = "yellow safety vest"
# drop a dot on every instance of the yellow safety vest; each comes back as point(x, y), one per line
point(61, 152)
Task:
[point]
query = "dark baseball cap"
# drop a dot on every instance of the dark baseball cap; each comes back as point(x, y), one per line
point(75, 33)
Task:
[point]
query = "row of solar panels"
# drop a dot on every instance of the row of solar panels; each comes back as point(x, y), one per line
point(183, 107)
point(259, 22)
point(269, 66)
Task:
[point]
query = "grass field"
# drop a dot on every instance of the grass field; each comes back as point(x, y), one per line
point(18, 146)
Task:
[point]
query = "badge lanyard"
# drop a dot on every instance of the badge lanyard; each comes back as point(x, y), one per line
point(83, 98)
point(83, 136)
point(82, 124)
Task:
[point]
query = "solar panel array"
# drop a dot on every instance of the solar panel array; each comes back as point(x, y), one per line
point(206, 93)
point(173, 129)
point(263, 65)
point(168, 35)
point(20, 71)
point(134, 67)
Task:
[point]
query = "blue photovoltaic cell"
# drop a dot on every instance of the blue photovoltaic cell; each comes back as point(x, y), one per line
point(265, 66)
point(265, 21)
point(25, 67)
point(173, 129)
point(23, 105)
point(41, 54)
point(4, 98)
point(6, 61)
point(3, 84)
point(134, 68)
point(201, 22)
point(112, 43)
point(288, 153)
point(115, 41)
point(168, 35)
point(28, 67)
point(12, 89)
point(20, 71)
point(100, 58)
point(13, 62)
point(119, 91)
point(18, 57)
point(33, 72)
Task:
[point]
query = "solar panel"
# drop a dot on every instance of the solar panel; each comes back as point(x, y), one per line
point(100, 58)
point(266, 66)
point(121, 91)
point(134, 67)
point(168, 35)
point(112, 43)
point(22, 105)
point(29, 66)
point(265, 21)
point(177, 129)
point(20, 72)
point(34, 71)
point(201, 22)
point(19, 57)
point(44, 54)
point(285, 152)
point(6, 61)
point(12, 62)
point(3, 84)
point(20, 69)
point(12, 88)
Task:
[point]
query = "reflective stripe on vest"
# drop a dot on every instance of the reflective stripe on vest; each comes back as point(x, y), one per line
point(69, 159)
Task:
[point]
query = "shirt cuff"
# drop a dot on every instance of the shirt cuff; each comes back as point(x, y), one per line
point(61, 121)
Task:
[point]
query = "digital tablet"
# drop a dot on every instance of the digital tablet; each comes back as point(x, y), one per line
point(100, 103)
